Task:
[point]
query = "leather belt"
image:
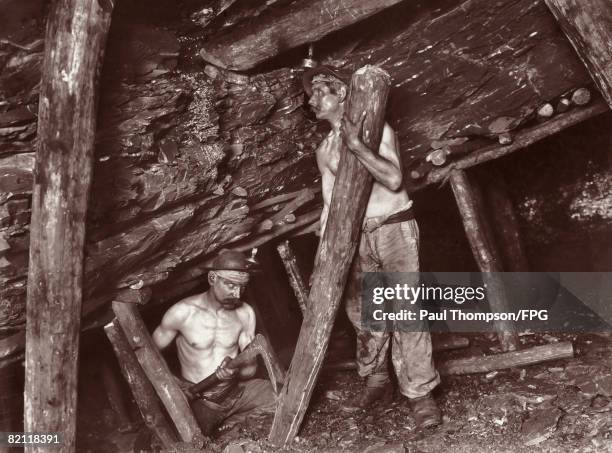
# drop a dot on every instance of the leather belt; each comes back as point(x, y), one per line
point(398, 217)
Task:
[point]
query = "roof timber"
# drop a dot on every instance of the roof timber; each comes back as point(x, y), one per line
point(588, 26)
point(291, 25)
point(525, 138)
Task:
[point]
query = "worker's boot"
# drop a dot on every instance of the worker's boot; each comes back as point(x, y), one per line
point(378, 387)
point(425, 411)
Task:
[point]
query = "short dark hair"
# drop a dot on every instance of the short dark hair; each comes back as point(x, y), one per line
point(334, 83)
point(324, 71)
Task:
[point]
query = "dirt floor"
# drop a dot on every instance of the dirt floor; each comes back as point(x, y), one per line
point(561, 406)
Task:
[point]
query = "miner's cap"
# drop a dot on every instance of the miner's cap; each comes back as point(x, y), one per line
point(308, 75)
point(233, 260)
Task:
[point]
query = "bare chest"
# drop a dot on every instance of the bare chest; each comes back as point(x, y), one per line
point(205, 329)
point(328, 153)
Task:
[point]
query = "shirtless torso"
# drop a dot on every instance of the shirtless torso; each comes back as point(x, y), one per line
point(327, 100)
point(383, 201)
point(205, 333)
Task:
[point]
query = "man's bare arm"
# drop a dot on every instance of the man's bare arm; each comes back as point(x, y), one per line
point(383, 166)
point(246, 336)
point(327, 186)
point(170, 325)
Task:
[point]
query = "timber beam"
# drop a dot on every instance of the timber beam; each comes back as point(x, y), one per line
point(75, 41)
point(144, 394)
point(588, 26)
point(530, 356)
point(245, 46)
point(483, 248)
point(522, 140)
point(158, 374)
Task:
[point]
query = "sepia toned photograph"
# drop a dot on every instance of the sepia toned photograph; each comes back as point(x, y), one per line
point(303, 226)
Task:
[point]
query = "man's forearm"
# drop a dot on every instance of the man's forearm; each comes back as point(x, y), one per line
point(380, 168)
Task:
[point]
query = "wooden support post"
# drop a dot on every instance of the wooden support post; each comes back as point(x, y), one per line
point(295, 276)
point(588, 26)
point(158, 373)
point(483, 250)
point(74, 44)
point(505, 225)
point(143, 391)
point(483, 217)
point(368, 93)
point(530, 356)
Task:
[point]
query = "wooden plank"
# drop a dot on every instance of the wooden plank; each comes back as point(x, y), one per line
point(522, 140)
point(295, 276)
point(305, 196)
point(281, 29)
point(144, 393)
point(368, 93)
point(588, 26)
point(530, 356)
point(75, 40)
point(312, 228)
point(158, 373)
point(438, 344)
point(301, 221)
point(277, 199)
point(484, 253)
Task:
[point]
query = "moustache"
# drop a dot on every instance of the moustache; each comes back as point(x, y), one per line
point(233, 302)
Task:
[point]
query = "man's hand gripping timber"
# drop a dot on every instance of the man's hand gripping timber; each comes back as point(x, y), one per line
point(381, 165)
point(225, 373)
point(351, 133)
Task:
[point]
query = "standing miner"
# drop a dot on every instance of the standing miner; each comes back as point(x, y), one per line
point(389, 243)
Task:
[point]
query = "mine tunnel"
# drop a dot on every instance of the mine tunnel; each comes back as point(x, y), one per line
point(141, 142)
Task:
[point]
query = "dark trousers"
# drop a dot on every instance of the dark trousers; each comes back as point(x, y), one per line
point(245, 398)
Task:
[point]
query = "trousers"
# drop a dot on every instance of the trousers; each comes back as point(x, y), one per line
point(390, 248)
point(251, 397)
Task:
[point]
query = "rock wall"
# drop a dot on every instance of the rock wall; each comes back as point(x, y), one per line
point(191, 158)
